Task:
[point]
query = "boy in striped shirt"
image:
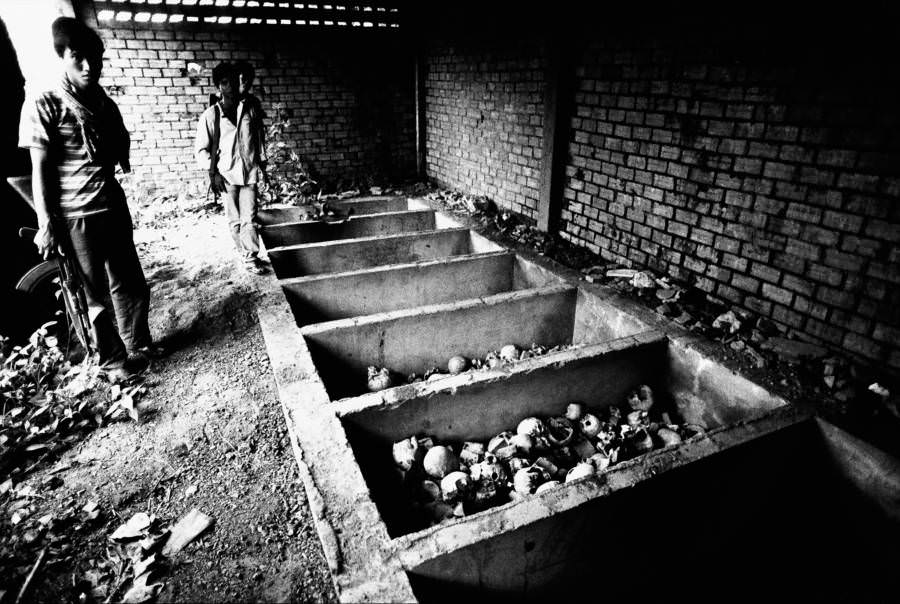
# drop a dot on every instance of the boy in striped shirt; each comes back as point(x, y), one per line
point(76, 137)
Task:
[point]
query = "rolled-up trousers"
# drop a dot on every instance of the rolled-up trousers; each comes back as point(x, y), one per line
point(118, 297)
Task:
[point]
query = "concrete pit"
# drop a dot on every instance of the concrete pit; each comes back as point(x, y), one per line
point(767, 496)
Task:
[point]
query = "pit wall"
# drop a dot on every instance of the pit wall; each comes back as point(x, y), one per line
point(763, 171)
point(348, 97)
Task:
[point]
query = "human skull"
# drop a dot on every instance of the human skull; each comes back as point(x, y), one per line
point(471, 453)
point(407, 452)
point(641, 441)
point(527, 480)
point(517, 463)
point(641, 399)
point(600, 460)
point(580, 470)
point(509, 353)
point(590, 425)
point(457, 364)
point(490, 479)
point(492, 360)
point(455, 485)
point(502, 445)
point(550, 484)
point(559, 431)
point(668, 437)
point(574, 411)
point(532, 426)
point(440, 461)
point(523, 444)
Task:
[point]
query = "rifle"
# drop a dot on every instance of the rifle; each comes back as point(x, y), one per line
point(74, 298)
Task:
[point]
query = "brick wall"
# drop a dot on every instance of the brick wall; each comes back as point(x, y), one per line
point(763, 171)
point(484, 108)
point(769, 181)
point(350, 107)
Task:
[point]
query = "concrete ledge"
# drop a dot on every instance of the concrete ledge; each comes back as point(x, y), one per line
point(361, 205)
point(366, 225)
point(348, 254)
point(364, 568)
point(332, 296)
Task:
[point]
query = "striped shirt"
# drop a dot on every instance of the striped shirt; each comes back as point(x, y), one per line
point(85, 187)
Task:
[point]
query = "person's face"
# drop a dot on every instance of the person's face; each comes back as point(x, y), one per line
point(82, 68)
point(227, 88)
point(244, 83)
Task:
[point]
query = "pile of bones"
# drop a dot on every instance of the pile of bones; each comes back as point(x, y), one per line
point(382, 378)
point(444, 481)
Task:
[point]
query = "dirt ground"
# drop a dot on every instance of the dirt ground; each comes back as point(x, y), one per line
point(211, 436)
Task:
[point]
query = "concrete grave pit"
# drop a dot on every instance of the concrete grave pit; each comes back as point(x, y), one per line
point(402, 286)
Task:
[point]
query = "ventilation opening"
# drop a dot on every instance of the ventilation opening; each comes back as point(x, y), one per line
point(249, 12)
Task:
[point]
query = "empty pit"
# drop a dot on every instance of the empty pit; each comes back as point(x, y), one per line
point(336, 256)
point(360, 205)
point(366, 225)
point(374, 290)
point(768, 500)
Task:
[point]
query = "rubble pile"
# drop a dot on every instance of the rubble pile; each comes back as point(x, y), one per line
point(446, 480)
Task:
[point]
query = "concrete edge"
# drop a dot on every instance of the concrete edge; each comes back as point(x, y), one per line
point(354, 240)
point(386, 268)
point(363, 566)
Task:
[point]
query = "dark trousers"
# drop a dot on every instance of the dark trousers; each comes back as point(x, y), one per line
point(118, 297)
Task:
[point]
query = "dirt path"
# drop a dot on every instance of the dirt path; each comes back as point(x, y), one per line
point(211, 435)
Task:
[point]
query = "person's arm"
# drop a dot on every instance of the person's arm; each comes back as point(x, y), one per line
point(45, 202)
point(202, 143)
point(203, 152)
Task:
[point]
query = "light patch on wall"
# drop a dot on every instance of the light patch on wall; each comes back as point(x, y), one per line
point(28, 23)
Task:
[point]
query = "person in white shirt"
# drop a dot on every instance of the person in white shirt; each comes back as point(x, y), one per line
point(229, 145)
